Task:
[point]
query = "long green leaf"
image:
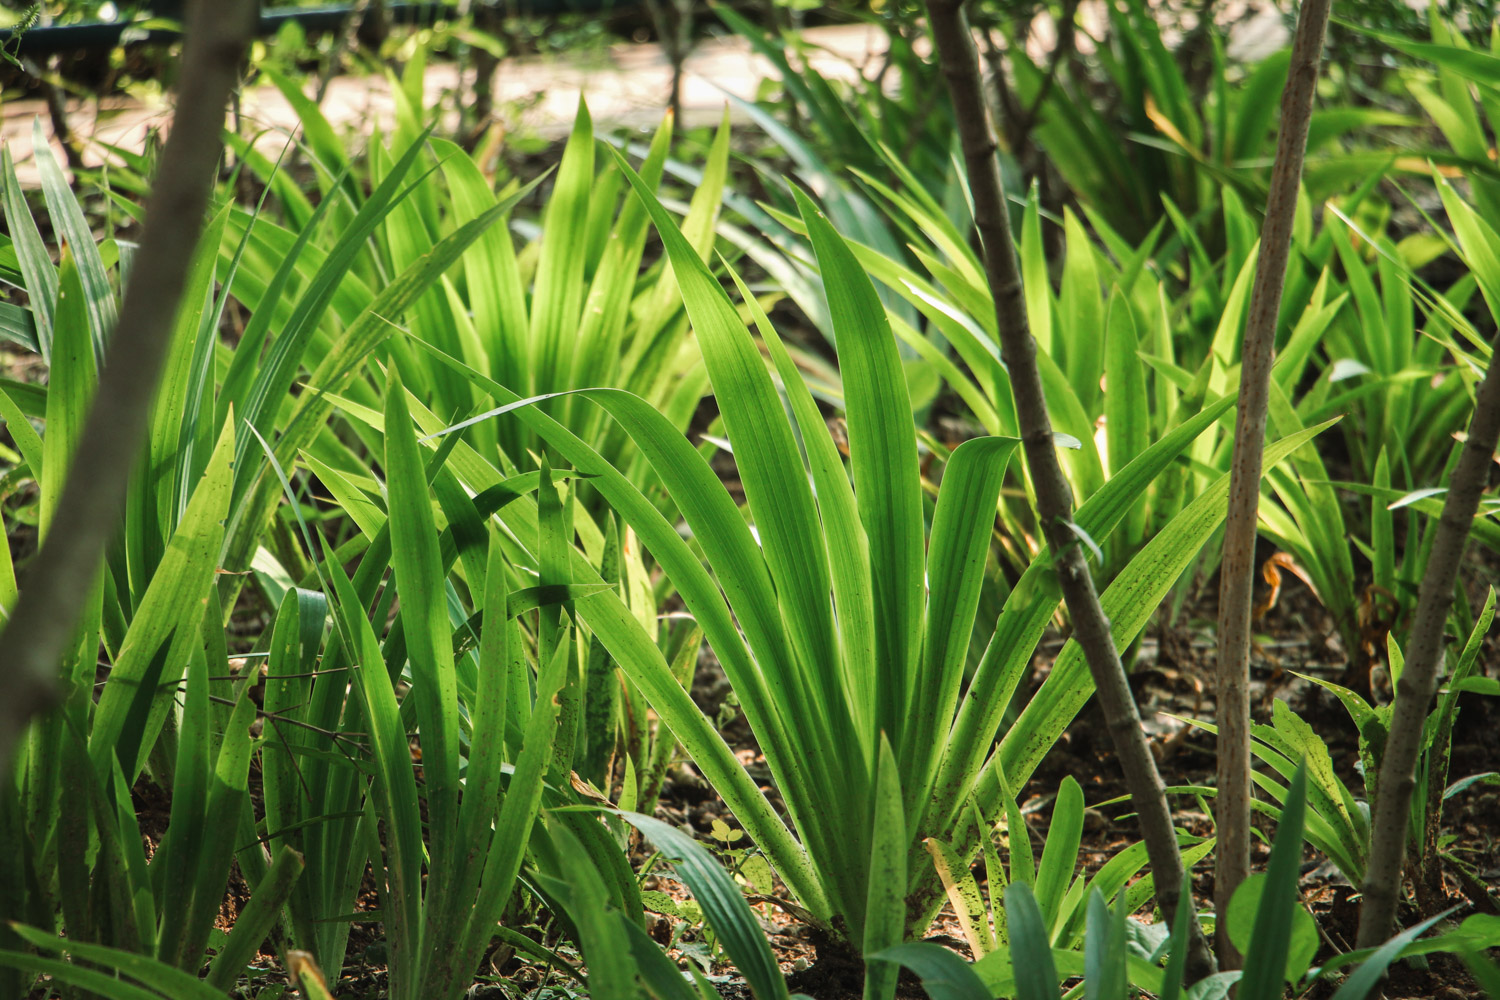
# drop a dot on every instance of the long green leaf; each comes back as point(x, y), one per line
point(1266, 959)
point(1104, 950)
point(883, 460)
point(395, 797)
point(133, 704)
point(72, 380)
point(139, 967)
point(256, 921)
point(723, 905)
point(74, 231)
point(944, 975)
point(1031, 953)
point(848, 546)
point(885, 908)
point(1060, 855)
point(962, 526)
point(557, 300)
point(424, 616)
point(31, 253)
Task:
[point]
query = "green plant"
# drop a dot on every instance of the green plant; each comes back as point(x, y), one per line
point(811, 682)
point(622, 958)
point(1395, 356)
point(1407, 735)
point(1063, 900)
point(1165, 335)
point(1432, 789)
point(1456, 85)
point(1266, 921)
point(1164, 376)
point(1348, 349)
point(1165, 139)
point(137, 977)
point(154, 614)
point(1338, 822)
point(1186, 308)
point(569, 309)
point(448, 876)
point(1429, 384)
point(461, 639)
point(437, 932)
point(197, 506)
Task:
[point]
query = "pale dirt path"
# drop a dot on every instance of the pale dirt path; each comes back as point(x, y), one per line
point(626, 88)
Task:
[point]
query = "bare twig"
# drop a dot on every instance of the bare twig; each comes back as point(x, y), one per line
point(487, 20)
point(673, 20)
point(959, 63)
point(56, 98)
point(1063, 51)
point(345, 40)
point(1424, 657)
point(89, 508)
point(1237, 575)
point(1018, 124)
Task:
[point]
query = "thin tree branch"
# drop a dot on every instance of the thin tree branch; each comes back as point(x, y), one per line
point(959, 62)
point(1424, 657)
point(345, 40)
point(56, 98)
point(1062, 51)
point(673, 22)
point(93, 495)
point(1017, 124)
point(1236, 576)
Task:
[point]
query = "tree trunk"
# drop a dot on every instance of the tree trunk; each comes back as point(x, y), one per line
point(93, 495)
point(959, 62)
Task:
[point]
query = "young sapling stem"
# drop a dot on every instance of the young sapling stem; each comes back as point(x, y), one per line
point(1237, 572)
point(1424, 658)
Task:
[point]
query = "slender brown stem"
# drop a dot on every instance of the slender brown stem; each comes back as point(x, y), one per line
point(1424, 657)
point(56, 99)
point(93, 495)
point(673, 20)
point(959, 62)
point(1236, 576)
point(345, 40)
point(1017, 124)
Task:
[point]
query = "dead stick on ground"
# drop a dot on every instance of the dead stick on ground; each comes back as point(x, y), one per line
point(1236, 575)
point(1424, 657)
point(88, 511)
point(959, 62)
